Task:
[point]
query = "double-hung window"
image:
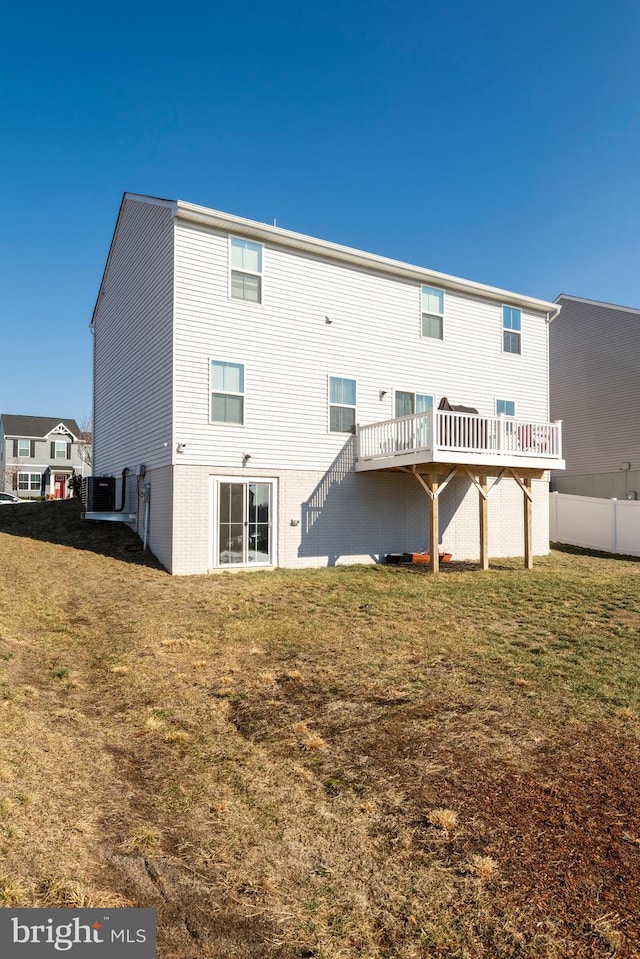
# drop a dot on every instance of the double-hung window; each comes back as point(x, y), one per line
point(246, 270)
point(227, 392)
point(511, 323)
point(60, 450)
point(342, 405)
point(432, 313)
point(24, 447)
point(506, 407)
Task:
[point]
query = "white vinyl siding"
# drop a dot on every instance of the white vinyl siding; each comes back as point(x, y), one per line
point(133, 343)
point(290, 349)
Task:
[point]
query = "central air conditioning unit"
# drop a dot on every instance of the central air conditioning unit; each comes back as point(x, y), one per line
point(99, 494)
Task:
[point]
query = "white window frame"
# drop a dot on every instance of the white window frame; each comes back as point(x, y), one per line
point(258, 273)
point(348, 406)
point(508, 329)
point(502, 400)
point(224, 359)
point(213, 521)
point(31, 487)
point(60, 454)
point(28, 445)
point(413, 393)
point(423, 313)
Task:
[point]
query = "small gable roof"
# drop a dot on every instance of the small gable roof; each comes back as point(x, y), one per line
point(36, 427)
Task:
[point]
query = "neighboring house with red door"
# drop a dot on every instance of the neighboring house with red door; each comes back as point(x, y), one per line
point(40, 454)
point(264, 398)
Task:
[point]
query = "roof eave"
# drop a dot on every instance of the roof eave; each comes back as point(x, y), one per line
point(226, 222)
point(602, 303)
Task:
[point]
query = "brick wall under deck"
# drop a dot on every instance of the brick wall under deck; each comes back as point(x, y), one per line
point(343, 517)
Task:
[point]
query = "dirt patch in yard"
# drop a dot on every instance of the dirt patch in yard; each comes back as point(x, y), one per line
point(550, 831)
point(566, 836)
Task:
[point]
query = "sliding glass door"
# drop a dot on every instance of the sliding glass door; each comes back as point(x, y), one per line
point(244, 523)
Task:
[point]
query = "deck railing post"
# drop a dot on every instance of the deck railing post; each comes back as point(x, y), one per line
point(501, 433)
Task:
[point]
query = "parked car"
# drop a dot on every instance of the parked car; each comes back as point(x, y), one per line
point(8, 499)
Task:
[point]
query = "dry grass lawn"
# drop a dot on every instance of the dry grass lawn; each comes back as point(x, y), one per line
point(349, 762)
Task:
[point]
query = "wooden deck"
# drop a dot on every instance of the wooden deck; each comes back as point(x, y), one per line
point(438, 445)
point(440, 439)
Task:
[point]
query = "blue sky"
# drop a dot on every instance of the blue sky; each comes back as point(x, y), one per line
point(494, 141)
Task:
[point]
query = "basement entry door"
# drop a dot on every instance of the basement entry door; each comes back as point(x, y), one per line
point(243, 522)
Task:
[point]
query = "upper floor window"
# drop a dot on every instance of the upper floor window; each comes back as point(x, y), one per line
point(246, 270)
point(432, 313)
point(506, 407)
point(227, 392)
point(342, 405)
point(511, 322)
point(61, 450)
point(408, 403)
point(24, 447)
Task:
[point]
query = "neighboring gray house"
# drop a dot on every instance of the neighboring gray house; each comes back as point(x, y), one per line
point(595, 391)
point(270, 399)
point(40, 454)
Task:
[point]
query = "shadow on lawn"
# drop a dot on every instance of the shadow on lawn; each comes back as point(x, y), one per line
point(597, 553)
point(60, 522)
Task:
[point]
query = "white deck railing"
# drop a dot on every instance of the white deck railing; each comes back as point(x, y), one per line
point(437, 432)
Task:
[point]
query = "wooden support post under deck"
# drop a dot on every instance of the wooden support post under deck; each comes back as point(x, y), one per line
point(528, 524)
point(434, 524)
point(484, 522)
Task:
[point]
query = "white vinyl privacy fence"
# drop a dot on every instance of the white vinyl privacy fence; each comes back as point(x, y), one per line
point(611, 525)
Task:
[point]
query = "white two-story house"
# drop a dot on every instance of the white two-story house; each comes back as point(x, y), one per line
point(40, 454)
point(265, 398)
